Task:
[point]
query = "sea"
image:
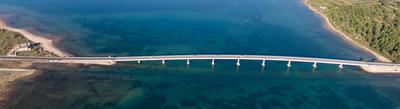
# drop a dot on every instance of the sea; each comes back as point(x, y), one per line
point(181, 27)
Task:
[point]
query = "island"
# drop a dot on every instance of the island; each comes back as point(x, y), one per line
point(370, 24)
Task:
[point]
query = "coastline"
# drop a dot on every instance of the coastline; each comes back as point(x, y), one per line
point(48, 45)
point(45, 43)
point(8, 77)
point(330, 27)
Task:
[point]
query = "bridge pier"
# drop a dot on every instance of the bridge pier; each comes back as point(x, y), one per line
point(289, 63)
point(263, 63)
point(340, 66)
point(375, 67)
point(238, 62)
point(188, 61)
point(315, 65)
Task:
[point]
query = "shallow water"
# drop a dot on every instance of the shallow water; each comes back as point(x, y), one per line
point(142, 27)
point(154, 27)
point(154, 86)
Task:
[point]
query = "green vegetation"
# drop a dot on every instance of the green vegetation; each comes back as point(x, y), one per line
point(10, 39)
point(37, 51)
point(375, 23)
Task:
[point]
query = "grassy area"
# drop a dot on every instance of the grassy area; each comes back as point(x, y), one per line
point(37, 51)
point(375, 23)
point(10, 39)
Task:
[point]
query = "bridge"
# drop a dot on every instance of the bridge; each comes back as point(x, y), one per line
point(376, 67)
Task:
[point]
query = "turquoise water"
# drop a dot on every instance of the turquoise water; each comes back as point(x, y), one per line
point(154, 27)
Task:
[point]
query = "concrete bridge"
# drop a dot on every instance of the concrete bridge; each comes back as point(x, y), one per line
point(375, 67)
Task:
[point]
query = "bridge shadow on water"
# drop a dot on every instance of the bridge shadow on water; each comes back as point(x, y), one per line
point(176, 85)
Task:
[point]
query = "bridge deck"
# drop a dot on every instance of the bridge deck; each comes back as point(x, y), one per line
point(202, 57)
point(253, 57)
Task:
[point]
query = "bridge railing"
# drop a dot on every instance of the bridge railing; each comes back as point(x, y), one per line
point(164, 58)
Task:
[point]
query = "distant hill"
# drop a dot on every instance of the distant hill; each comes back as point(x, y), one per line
point(375, 23)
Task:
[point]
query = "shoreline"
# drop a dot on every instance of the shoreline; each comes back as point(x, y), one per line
point(12, 75)
point(45, 43)
point(330, 27)
point(48, 45)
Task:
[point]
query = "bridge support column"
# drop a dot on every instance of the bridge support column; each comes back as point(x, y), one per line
point(289, 63)
point(238, 62)
point(138, 61)
point(163, 62)
point(315, 65)
point(213, 62)
point(263, 63)
point(340, 66)
point(188, 61)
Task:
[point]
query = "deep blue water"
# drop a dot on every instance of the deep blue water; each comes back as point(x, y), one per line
point(154, 27)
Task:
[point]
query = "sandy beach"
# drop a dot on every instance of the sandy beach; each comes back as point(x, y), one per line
point(46, 44)
point(329, 26)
